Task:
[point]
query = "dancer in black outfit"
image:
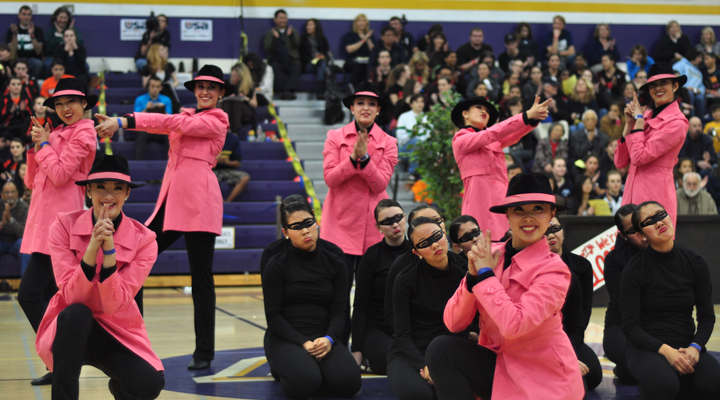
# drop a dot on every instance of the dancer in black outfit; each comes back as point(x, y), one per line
point(305, 291)
point(419, 297)
point(464, 233)
point(578, 304)
point(370, 335)
point(660, 287)
point(627, 245)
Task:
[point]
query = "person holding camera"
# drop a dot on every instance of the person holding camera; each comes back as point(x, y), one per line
point(156, 33)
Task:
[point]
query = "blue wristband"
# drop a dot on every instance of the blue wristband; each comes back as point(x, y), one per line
point(697, 346)
point(119, 123)
point(639, 116)
point(109, 252)
point(332, 342)
point(484, 270)
point(43, 144)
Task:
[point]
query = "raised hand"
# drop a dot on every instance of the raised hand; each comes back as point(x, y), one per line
point(637, 109)
point(275, 33)
point(108, 126)
point(39, 133)
point(539, 110)
point(481, 255)
point(103, 229)
point(361, 145)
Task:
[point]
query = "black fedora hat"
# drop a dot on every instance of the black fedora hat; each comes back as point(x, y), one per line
point(110, 168)
point(457, 117)
point(209, 73)
point(364, 89)
point(71, 87)
point(660, 71)
point(527, 188)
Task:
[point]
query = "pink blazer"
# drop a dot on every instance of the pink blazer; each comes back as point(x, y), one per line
point(520, 320)
point(348, 213)
point(51, 174)
point(112, 301)
point(481, 161)
point(652, 155)
point(190, 190)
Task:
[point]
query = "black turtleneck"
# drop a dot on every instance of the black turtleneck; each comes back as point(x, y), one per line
point(283, 243)
point(615, 262)
point(659, 291)
point(370, 289)
point(419, 297)
point(104, 272)
point(305, 295)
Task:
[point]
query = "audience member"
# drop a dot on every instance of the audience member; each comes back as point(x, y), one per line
point(41, 114)
point(458, 76)
point(158, 65)
point(241, 103)
point(640, 78)
point(611, 81)
point(592, 169)
point(526, 43)
point(58, 72)
point(553, 66)
point(60, 21)
point(613, 123)
point(407, 121)
point(436, 53)
point(155, 34)
point(404, 38)
point(226, 169)
point(425, 41)
point(469, 54)
point(607, 158)
point(600, 45)
point(152, 102)
point(12, 225)
point(7, 60)
point(589, 140)
point(380, 75)
point(580, 65)
point(387, 41)
point(28, 40)
point(712, 128)
point(29, 83)
point(512, 53)
point(557, 107)
point(8, 168)
point(549, 148)
point(683, 166)
point(533, 87)
point(262, 76)
point(699, 147)
point(708, 42)
point(672, 46)
point(639, 61)
point(582, 193)
point(419, 68)
point(19, 181)
point(483, 75)
point(628, 91)
point(581, 99)
point(282, 45)
point(399, 76)
point(711, 78)
point(358, 44)
point(689, 66)
point(315, 53)
point(559, 41)
point(692, 200)
point(567, 82)
point(16, 108)
point(74, 55)
point(613, 194)
point(514, 169)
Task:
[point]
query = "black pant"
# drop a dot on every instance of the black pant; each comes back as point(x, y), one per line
point(594, 377)
point(460, 368)
point(201, 251)
point(287, 76)
point(302, 377)
point(375, 347)
point(143, 138)
point(81, 340)
point(406, 381)
point(615, 347)
point(351, 262)
point(37, 287)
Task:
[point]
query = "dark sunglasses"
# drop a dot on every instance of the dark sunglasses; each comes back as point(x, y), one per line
point(439, 220)
point(434, 238)
point(659, 216)
point(630, 231)
point(553, 229)
point(298, 226)
point(468, 236)
point(392, 220)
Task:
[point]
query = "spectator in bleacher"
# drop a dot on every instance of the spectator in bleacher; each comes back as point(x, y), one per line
point(480, 90)
point(29, 83)
point(683, 166)
point(151, 102)
point(607, 159)
point(692, 200)
point(19, 181)
point(639, 60)
point(711, 78)
point(582, 193)
point(712, 128)
point(226, 169)
point(611, 81)
point(533, 87)
point(550, 147)
point(74, 55)
point(690, 67)
point(381, 74)
point(496, 73)
point(406, 122)
point(404, 38)
point(483, 75)
point(560, 41)
point(58, 72)
point(315, 54)
point(243, 87)
point(526, 43)
point(399, 76)
point(470, 54)
point(613, 123)
point(358, 44)
point(12, 224)
point(589, 140)
point(262, 76)
point(568, 81)
point(563, 185)
point(557, 108)
point(28, 40)
point(553, 66)
point(387, 42)
point(9, 166)
point(436, 54)
point(629, 89)
point(672, 46)
point(61, 20)
point(699, 147)
point(196, 139)
point(613, 194)
point(282, 45)
point(42, 115)
point(581, 100)
point(424, 43)
point(16, 108)
point(592, 169)
point(640, 78)
point(419, 68)
point(158, 65)
point(7, 60)
point(600, 45)
point(511, 53)
point(580, 65)
point(708, 42)
point(156, 33)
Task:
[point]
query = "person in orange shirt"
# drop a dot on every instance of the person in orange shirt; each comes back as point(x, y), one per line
point(58, 72)
point(41, 113)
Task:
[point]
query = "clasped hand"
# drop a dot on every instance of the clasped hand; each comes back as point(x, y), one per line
point(39, 133)
point(102, 234)
point(361, 145)
point(319, 348)
point(481, 255)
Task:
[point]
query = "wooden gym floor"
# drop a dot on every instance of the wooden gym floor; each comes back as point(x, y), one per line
point(239, 370)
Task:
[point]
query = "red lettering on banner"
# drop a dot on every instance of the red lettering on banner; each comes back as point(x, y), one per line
point(587, 251)
point(602, 243)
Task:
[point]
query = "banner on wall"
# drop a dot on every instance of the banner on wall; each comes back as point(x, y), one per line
point(595, 250)
point(132, 29)
point(196, 30)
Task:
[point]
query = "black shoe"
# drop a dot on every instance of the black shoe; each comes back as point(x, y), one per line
point(197, 363)
point(43, 380)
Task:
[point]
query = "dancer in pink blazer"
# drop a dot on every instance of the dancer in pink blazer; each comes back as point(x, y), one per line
point(58, 160)
point(652, 139)
point(100, 260)
point(519, 288)
point(190, 201)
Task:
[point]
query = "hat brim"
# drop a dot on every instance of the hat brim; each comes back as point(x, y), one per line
point(190, 85)
point(459, 120)
point(349, 100)
point(682, 79)
point(90, 99)
point(131, 185)
point(526, 198)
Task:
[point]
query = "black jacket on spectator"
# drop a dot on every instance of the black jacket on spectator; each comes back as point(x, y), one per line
point(596, 51)
point(74, 65)
point(306, 55)
point(467, 53)
point(581, 146)
point(695, 149)
point(505, 59)
point(163, 39)
point(397, 55)
point(14, 229)
point(666, 48)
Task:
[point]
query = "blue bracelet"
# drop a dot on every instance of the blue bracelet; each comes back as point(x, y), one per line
point(483, 270)
point(109, 252)
point(119, 123)
point(332, 342)
point(697, 346)
point(44, 143)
